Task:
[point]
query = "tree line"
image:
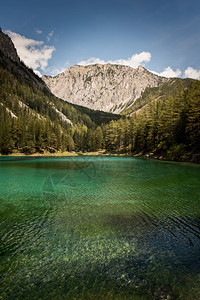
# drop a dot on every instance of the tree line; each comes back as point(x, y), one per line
point(30, 122)
point(166, 121)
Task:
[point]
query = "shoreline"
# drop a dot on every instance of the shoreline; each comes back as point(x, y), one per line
point(48, 154)
point(190, 158)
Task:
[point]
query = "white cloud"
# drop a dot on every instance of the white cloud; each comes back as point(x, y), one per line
point(192, 73)
point(91, 61)
point(36, 54)
point(38, 73)
point(168, 72)
point(49, 35)
point(33, 53)
point(38, 31)
point(134, 61)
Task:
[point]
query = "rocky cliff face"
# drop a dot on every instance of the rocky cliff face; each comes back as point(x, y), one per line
point(110, 88)
point(7, 47)
point(10, 60)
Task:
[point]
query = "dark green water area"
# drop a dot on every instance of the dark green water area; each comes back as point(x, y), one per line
point(99, 228)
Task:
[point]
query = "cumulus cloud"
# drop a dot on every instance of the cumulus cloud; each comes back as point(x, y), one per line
point(38, 73)
point(36, 54)
point(33, 53)
point(192, 73)
point(134, 61)
point(189, 73)
point(168, 72)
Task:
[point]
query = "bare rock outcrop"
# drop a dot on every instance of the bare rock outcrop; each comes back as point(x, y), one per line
point(10, 60)
point(110, 88)
point(7, 47)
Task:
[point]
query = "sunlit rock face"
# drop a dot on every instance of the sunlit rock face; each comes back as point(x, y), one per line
point(108, 87)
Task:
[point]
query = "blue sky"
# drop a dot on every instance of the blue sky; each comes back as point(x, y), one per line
point(163, 36)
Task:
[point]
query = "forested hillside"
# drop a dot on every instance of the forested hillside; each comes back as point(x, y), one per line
point(165, 123)
point(33, 120)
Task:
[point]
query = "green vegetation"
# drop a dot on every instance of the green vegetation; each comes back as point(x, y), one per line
point(30, 120)
point(168, 124)
point(165, 90)
point(97, 116)
point(164, 122)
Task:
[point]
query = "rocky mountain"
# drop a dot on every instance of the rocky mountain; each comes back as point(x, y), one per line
point(110, 88)
point(10, 60)
point(8, 48)
point(164, 121)
point(32, 119)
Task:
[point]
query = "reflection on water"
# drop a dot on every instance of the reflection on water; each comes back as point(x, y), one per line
point(99, 227)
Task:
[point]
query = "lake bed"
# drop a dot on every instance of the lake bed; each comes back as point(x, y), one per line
point(100, 227)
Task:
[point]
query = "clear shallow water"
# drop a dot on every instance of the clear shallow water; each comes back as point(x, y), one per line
point(99, 228)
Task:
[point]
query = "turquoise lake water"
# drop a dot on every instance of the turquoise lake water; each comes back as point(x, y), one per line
point(99, 228)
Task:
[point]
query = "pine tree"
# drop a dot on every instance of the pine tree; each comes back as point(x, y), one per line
point(193, 115)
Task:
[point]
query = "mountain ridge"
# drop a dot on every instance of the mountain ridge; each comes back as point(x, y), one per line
point(10, 60)
point(32, 119)
point(106, 87)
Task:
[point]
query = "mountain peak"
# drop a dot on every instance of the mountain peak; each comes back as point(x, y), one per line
point(106, 87)
point(141, 68)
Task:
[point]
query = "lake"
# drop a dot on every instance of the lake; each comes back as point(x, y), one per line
point(94, 227)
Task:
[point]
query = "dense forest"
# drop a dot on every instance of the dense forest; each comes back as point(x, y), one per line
point(164, 122)
point(33, 120)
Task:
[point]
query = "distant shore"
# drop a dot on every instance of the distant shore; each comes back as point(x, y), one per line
point(192, 158)
point(48, 154)
point(187, 157)
point(42, 154)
